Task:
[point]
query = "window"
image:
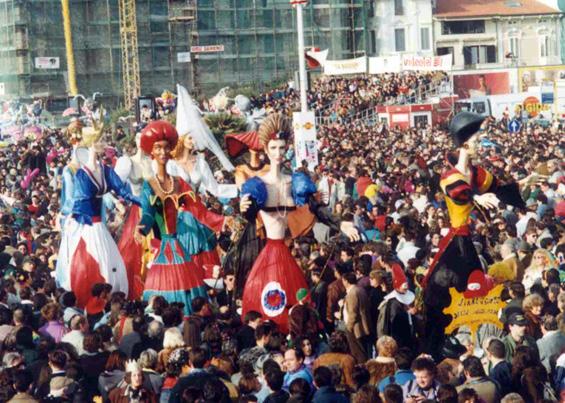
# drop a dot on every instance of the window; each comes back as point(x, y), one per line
point(463, 27)
point(545, 48)
point(398, 7)
point(399, 41)
point(515, 47)
point(479, 54)
point(425, 38)
point(444, 51)
point(374, 42)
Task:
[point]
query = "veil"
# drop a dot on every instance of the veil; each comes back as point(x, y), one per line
point(189, 120)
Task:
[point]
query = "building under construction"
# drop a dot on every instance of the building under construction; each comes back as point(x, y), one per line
point(233, 42)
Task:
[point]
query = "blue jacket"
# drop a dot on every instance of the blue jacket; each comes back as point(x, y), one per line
point(303, 373)
point(400, 378)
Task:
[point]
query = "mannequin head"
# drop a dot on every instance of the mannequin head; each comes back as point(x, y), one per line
point(274, 134)
point(185, 145)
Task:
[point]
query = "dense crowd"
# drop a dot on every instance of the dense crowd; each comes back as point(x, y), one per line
point(385, 180)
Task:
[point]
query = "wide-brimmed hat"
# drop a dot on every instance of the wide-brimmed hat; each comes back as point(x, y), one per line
point(463, 126)
point(238, 143)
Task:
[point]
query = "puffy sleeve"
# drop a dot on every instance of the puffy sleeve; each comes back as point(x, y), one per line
point(67, 191)
point(456, 187)
point(123, 168)
point(302, 188)
point(148, 210)
point(485, 182)
point(257, 191)
point(116, 184)
point(82, 195)
point(192, 203)
point(211, 185)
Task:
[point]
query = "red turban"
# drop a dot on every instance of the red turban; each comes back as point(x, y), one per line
point(158, 130)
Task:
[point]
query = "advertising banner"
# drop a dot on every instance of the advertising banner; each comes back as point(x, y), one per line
point(305, 142)
point(47, 63)
point(427, 63)
point(538, 76)
point(481, 84)
point(343, 67)
point(382, 65)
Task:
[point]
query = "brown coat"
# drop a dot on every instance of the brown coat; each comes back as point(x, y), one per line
point(336, 291)
point(344, 361)
point(355, 312)
point(22, 398)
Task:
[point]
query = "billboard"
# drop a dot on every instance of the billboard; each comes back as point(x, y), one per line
point(481, 84)
point(540, 76)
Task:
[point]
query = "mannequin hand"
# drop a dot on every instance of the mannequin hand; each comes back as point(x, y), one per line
point(244, 203)
point(487, 200)
point(348, 229)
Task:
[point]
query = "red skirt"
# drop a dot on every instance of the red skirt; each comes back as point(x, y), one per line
point(272, 284)
point(132, 253)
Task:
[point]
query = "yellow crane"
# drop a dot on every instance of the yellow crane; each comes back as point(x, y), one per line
point(130, 55)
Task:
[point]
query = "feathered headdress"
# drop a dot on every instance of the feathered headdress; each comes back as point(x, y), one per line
point(92, 134)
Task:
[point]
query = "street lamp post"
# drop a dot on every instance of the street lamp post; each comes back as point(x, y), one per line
point(299, 4)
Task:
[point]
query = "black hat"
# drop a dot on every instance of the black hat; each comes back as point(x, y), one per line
point(517, 319)
point(463, 126)
point(452, 348)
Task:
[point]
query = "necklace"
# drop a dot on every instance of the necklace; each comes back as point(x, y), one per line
point(166, 193)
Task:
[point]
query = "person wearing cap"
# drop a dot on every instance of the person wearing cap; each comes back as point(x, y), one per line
point(394, 319)
point(465, 186)
point(517, 336)
point(302, 318)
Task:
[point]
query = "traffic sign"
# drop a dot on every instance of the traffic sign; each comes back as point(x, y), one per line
point(514, 126)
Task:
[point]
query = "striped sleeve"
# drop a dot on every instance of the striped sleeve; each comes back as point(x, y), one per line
point(456, 187)
point(484, 181)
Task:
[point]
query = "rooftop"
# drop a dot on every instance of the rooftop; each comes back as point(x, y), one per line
point(490, 8)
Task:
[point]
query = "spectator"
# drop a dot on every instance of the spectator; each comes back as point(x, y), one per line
point(133, 390)
point(553, 340)
point(113, 374)
point(403, 374)
point(326, 392)
point(384, 365)
point(338, 356)
point(79, 328)
point(533, 307)
point(295, 368)
point(500, 369)
point(476, 379)
point(356, 318)
point(22, 385)
point(424, 385)
point(517, 336)
point(275, 380)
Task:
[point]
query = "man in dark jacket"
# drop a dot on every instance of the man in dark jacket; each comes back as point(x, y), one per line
point(500, 369)
point(517, 293)
point(326, 392)
point(196, 378)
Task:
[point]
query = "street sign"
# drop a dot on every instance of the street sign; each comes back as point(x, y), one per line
point(514, 126)
point(183, 57)
point(207, 49)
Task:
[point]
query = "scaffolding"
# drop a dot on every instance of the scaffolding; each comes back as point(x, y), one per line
point(259, 39)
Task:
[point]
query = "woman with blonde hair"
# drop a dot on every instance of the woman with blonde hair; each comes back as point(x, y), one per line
point(532, 307)
point(384, 365)
point(542, 260)
point(171, 341)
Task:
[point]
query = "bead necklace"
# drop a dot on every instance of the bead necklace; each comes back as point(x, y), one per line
point(166, 193)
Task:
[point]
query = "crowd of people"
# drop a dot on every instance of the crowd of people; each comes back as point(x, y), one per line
point(357, 331)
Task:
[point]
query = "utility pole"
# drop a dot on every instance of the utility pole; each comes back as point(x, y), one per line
point(299, 4)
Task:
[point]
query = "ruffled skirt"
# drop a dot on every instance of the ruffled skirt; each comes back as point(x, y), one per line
point(88, 255)
point(173, 276)
point(272, 284)
point(133, 253)
point(197, 240)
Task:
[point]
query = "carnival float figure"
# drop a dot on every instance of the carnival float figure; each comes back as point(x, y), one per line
point(172, 274)
point(467, 187)
point(90, 251)
point(237, 144)
point(190, 165)
point(280, 200)
point(133, 170)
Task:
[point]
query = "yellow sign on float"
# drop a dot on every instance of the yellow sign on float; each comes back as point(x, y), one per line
point(474, 312)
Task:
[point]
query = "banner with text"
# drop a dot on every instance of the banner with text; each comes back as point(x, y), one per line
point(349, 66)
point(427, 63)
point(382, 65)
